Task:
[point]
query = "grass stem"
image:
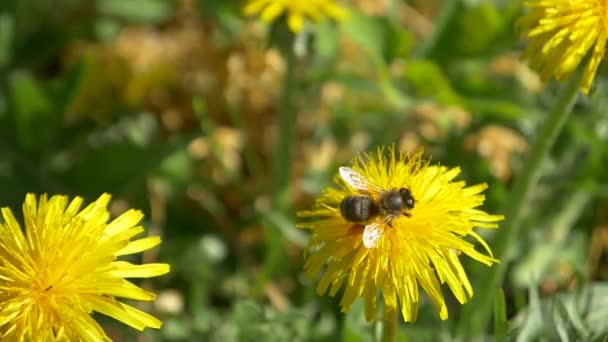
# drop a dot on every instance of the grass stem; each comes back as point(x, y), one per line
point(476, 314)
point(282, 161)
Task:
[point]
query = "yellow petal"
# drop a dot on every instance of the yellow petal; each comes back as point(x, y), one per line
point(296, 22)
point(125, 314)
point(125, 269)
point(271, 12)
point(255, 6)
point(125, 221)
point(139, 245)
point(125, 289)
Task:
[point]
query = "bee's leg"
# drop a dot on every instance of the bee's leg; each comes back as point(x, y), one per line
point(407, 214)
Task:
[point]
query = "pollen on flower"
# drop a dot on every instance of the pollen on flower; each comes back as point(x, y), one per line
point(62, 264)
point(296, 11)
point(561, 33)
point(420, 250)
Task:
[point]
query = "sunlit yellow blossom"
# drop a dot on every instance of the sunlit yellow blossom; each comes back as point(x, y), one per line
point(419, 250)
point(62, 265)
point(561, 33)
point(297, 11)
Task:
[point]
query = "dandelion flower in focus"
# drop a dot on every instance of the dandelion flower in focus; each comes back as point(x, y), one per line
point(561, 33)
point(420, 248)
point(61, 265)
point(296, 11)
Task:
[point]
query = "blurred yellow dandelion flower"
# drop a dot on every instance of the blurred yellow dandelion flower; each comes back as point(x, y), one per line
point(297, 11)
point(418, 247)
point(561, 33)
point(62, 265)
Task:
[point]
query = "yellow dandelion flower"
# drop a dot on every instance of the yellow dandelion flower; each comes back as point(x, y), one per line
point(561, 33)
point(297, 11)
point(410, 235)
point(63, 265)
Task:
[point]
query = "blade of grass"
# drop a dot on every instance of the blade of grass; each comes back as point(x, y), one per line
point(448, 10)
point(500, 316)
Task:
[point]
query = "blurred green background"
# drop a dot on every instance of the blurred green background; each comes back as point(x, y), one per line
point(172, 107)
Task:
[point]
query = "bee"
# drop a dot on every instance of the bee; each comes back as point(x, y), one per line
point(374, 207)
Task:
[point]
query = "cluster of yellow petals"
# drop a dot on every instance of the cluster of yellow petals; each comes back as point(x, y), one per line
point(561, 33)
point(422, 250)
point(61, 265)
point(296, 11)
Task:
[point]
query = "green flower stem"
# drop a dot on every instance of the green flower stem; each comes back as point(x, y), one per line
point(389, 327)
point(476, 314)
point(282, 153)
point(282, 160)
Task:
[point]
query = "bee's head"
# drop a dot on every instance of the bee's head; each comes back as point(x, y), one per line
point(408, 199)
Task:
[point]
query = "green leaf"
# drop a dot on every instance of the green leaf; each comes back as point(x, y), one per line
point(176, 329)
point(117, 167)
point(536, 264)
point(463, 37)
point(355, 328)
point(367, 33)
point(142, 11)
point(6, 39)
point(176, 169)
point(532, 325)
point(287, 227)
point(499, 109)
point(579, 315)
point(248, 318)
point(381, 38)
point(428, 80)
point(253, 322)
point(394, 96)
point(485, 15)
point(326, 43)
point(31, 109)
point(398, 42)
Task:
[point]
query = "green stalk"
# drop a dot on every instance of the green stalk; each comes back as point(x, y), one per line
point(477, 313)
point(282, 153)
point(389, 327)
point(282, 160)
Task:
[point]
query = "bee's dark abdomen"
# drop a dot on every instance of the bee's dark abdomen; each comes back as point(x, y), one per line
point(357, 208)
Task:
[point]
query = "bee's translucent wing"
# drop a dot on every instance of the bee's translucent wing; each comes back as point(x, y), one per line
point(357, 180)
point(372, 233)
